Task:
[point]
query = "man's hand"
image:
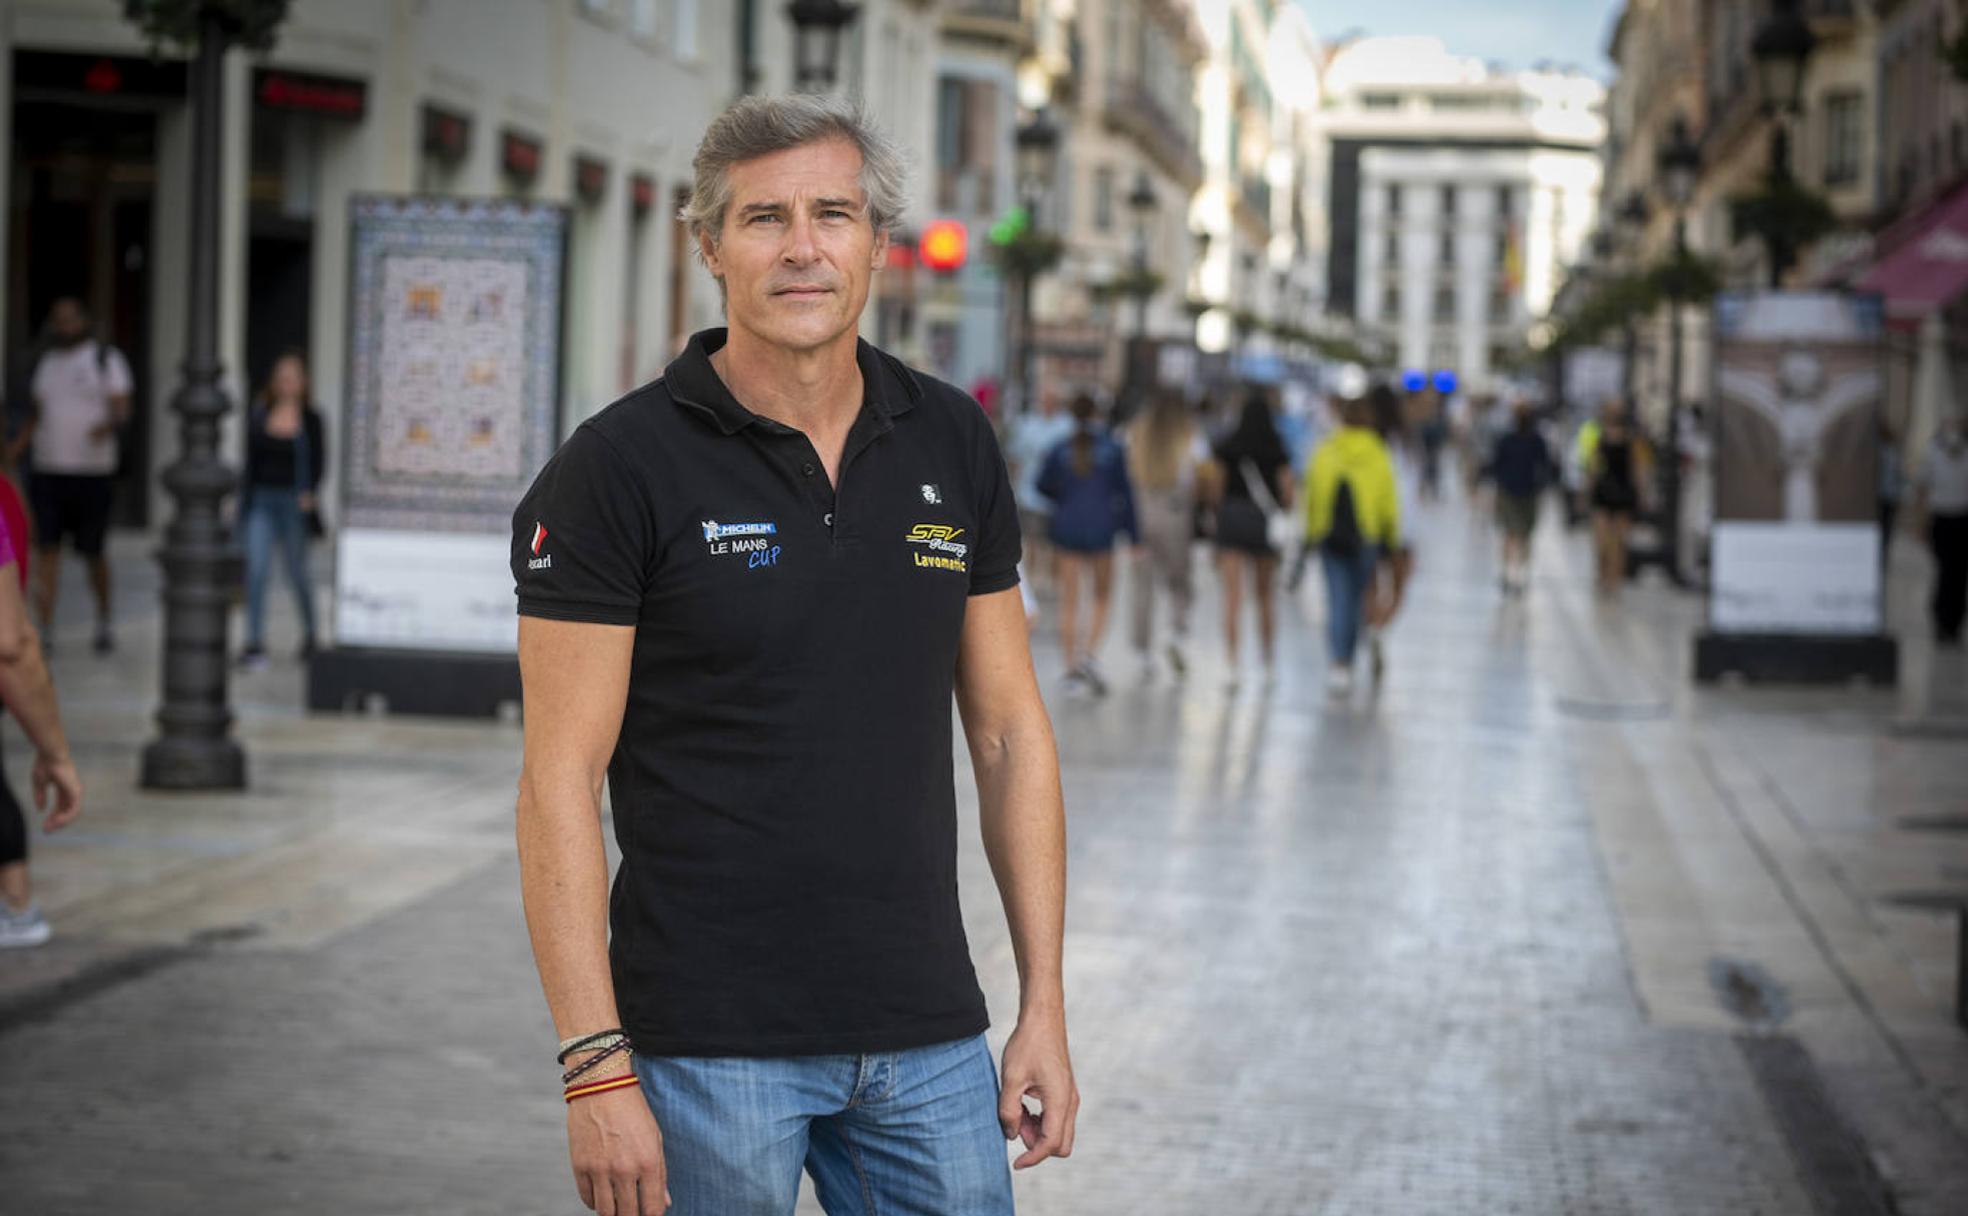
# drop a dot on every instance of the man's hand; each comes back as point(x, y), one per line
point(57, 789)
point(1035, 1064)
point(617, 1152)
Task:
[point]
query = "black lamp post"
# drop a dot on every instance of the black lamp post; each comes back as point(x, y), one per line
point(1037, 146)
point(1680, 169)
point(195, 749)
point(1142, 202)
point(817, 27)
point(1632, 217)
point(1782, 46)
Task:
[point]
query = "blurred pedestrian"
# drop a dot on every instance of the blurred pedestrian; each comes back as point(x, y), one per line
point(1166, 458)
point(80, 392)
point(1252, 485)
point(1891, 488)
point(1388, 587)
point(1619, 464)
point(1521, 466)
point(1944, 499)
point(1086, 480)
point(1030, 438)
point(759, 660)
point(29, 694)
point(1353, 516)
point(286, 454)
point(1434, 437)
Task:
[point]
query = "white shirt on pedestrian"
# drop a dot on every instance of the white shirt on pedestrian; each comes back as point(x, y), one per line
point(1944, 475)
point(71, 391)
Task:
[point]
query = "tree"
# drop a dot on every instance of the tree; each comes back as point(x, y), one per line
point(247, 23)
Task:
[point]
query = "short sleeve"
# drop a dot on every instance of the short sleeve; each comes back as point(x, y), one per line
point(998, 543)
point(583, 536)
point(117, 381)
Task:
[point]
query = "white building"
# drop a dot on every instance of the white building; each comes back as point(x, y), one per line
point(595, 104)
point(1457, 195)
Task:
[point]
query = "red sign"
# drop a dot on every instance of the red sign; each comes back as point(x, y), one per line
point(945, 245)
point(306, 94)
point(102, 77)
point(447, 136)
point(519, 154)
point(590, 178)
point(642, 192)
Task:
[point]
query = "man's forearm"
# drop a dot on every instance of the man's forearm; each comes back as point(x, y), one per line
point(1024, 826)
point(563, 877)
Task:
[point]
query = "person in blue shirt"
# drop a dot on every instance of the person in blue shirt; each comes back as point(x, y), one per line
point(1085, 478)
point(1522, 466)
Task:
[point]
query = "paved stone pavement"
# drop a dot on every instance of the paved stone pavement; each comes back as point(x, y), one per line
point(1538, 928)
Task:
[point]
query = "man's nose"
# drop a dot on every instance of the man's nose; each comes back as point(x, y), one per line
point(799, 248)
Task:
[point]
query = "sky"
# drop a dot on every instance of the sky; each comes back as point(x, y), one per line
point(1516, 33)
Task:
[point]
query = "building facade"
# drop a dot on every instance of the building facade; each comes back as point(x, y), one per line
point(1457, 195)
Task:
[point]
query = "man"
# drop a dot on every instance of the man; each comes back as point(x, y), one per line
point(1352, 516)
point(1520, 463)
point(80, 389)
point(747, 594)
point(1944, 498)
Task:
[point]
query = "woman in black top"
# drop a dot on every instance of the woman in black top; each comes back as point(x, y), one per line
point(1253, 477)
point(286, 451)
point(1618, 469)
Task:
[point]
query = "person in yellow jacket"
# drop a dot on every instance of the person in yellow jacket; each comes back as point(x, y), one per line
point(1352, 516)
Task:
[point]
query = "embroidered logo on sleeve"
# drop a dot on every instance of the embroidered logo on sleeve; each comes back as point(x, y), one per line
point(540, 561)
point(932, 494)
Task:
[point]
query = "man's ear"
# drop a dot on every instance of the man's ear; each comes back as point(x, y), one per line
point(880, 255)
point(709, 251)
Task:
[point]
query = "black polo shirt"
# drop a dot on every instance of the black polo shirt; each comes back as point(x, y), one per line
point(782, 788)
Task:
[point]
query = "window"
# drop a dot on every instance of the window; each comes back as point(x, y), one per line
point(642, 18)
point(1448, 249)
point(1393, 249)
point(1103, 199)
point(1844, 115)
point(1381, 101)
point(1500, 310)
point(1394, 200)
point(1448, 200)
point(1392, 310)
point(1506, 201)
point(1445, 304)
point(685, 42)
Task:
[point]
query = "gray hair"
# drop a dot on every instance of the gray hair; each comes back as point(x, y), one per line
point(759, 126)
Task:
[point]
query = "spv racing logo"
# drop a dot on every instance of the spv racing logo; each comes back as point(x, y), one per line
point(940, 548)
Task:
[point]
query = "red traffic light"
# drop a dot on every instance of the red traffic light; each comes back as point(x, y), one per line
point(944, 245)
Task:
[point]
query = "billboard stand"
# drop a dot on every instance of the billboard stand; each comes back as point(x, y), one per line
point(1796, 587)
point(455, 322)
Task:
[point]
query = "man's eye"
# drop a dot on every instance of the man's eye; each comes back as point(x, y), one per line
point(760, 219)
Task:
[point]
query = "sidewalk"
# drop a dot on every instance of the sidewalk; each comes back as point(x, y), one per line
point(1538, 928)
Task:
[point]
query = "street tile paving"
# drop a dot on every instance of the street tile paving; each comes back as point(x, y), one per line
point(1443, 949)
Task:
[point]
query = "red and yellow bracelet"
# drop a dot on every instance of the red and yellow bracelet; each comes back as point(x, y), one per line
point(590, 1089)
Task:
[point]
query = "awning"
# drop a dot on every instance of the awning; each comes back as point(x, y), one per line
point(1927, 266)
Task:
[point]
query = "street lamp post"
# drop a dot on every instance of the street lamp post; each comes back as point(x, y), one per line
point(1037, 144)
point(1781, 47)
point(1680, 168)
point(817, 27)
point(195, 749)
point(1632, 216)
point(1142, 202)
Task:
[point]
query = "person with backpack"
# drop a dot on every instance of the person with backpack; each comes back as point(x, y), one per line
point(1251, 484)
point(1352, 515)
point(1521, 466)
point(1085, 478)
point(79, 393)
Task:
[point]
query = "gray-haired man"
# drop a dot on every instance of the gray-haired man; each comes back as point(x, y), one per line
point(748, 592)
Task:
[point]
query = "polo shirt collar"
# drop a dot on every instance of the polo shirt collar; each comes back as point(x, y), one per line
point(694, 384)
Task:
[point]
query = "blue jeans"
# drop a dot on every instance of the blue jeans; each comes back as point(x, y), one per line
point(1347, 579)
point(273, 517)
point(907, 1133)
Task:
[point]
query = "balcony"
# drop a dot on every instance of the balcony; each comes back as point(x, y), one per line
point(1136, 113)
point(1001, 22)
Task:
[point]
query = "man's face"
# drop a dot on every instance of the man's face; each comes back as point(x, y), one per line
point(67, 322)
point(797, 251)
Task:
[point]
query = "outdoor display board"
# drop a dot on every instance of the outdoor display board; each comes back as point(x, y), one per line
point(453, 406)
point(1798, 390)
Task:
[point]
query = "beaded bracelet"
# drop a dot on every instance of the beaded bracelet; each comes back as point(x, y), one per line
point(580, 1042)
point(588, 1065)
point(599, 1087)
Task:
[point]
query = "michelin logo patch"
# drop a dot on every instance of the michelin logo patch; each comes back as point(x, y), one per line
point(940, 548)
point(753, 540)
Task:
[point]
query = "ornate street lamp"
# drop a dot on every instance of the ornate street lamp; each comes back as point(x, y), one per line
point(1782, 46)
point(1037, 144)
point(1680, 169)
point(1141, 201)
point(817, 26)
point(195, 749)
